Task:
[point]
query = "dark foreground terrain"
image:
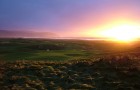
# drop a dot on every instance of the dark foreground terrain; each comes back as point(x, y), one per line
point(107, 73)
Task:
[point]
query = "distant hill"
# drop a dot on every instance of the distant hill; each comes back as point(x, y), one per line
point(25, 34)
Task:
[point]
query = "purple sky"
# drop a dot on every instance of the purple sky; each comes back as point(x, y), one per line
point(65, 17)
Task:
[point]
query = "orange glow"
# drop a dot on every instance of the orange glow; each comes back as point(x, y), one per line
point(117, 30)
point(124, 32)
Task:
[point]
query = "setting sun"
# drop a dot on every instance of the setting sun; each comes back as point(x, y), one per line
point(123, 33)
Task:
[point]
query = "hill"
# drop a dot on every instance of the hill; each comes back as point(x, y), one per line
point(25, 34)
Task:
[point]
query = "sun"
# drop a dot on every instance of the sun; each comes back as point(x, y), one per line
point(123, 33)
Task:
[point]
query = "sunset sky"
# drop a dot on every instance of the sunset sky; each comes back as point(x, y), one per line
point(71, 18)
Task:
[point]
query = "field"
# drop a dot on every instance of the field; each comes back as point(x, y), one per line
point(59, 50)
point(40, 64)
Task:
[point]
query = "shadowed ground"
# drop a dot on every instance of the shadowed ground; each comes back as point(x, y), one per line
point(108, 73)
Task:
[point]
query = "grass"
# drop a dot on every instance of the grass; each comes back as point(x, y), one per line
point(57, 50)
point(45, 55)
point(22, 49)
point(108, 73)
point(29, 64)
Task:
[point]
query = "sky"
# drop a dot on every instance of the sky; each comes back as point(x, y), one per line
point(68, 18)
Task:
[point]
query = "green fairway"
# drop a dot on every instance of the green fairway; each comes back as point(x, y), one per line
point(56, 50)
point(24, 49)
